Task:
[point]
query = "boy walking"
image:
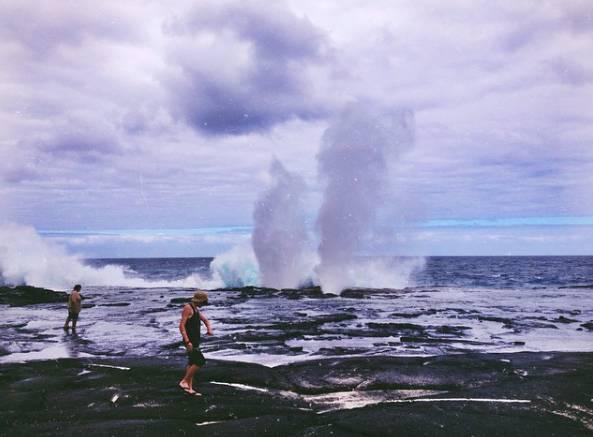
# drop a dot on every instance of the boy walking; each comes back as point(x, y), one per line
point(74, 306)
point(189, 326)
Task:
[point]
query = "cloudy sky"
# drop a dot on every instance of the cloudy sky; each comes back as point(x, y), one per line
point(145, 128)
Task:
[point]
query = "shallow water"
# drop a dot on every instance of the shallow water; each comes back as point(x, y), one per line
point(437, 316)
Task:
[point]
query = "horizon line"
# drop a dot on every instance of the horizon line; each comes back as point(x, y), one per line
point(556, 221)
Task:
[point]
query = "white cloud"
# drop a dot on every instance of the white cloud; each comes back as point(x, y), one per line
point(95, 101)
point(149, 243)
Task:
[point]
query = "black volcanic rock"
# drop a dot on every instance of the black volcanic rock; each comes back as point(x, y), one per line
point(26, 295)
point(414, 314)
point(76, 397)
point(506, 322)
point(288, 293)
point(563, 319)
point(251, 291)
point(353, 294)
point(452, 330)
point(180, 300)
point(396, 328)
point(310, 292)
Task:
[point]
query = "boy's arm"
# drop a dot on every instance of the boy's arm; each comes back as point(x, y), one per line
point(204, 319)
point(185, 314)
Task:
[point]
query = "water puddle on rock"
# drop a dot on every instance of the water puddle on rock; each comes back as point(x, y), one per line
point(347, 400)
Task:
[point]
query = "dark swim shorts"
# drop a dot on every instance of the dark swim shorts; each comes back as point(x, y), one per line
point(72, 316)
point(195, 357)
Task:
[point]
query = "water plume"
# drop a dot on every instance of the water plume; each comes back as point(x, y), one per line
point(280, 233)
point(355, 161)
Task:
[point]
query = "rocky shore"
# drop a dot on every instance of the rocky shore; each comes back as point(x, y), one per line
point(26, 295)
point(521, 394)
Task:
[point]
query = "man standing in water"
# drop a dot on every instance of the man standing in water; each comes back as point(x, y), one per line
point(74, 305)
point(189, 326)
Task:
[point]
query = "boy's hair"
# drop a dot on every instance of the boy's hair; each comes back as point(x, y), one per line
point(77, 287)
point(200, 298)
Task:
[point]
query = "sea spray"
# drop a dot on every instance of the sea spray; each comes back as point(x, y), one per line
point(354, 166)
point(236, 267)
point(356, 155)
point(390, 272)
point(27, 258)
point(280, 236)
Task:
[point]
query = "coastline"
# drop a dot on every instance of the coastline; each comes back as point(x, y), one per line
point(527, 393)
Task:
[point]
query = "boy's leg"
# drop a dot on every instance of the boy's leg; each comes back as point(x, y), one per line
point(184, 381)
point(190, 375)
point(188, 379)
point(67, 322)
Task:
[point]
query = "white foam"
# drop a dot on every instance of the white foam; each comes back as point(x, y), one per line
point(26, 258)
point(212, 422)
point(493, 400)
point(109, 366)
point(241, 386)
point(347, 400)
point(53, 352)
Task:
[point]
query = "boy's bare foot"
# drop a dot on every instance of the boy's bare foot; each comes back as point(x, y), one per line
point(186, 388)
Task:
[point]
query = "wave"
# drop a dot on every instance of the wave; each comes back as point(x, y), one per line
point(26, 258)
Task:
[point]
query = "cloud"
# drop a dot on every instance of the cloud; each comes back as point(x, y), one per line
point(243, 67)
point(570, 72)
point(147, 243)
point(484, 241)
point(103, 106)
point(46, 26)
point(80, 140)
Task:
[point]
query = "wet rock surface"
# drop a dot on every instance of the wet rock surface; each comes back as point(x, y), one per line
point(445, 395)
point(279, 326)
point(26, 295)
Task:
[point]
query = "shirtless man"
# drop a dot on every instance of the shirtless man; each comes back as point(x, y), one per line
point(189, 326)
point(74, 305)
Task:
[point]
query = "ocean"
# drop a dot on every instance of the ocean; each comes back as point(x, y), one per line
point(452, 305)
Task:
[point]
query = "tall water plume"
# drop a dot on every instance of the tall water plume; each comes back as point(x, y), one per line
point(355, 161)
point(280, 232)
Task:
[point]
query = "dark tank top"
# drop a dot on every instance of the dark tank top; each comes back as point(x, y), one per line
point(192, 327)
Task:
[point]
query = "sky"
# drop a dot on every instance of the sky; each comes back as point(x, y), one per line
point(145, 128)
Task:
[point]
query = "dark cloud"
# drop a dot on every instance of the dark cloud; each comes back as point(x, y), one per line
point(81, 145)
point(43, 26)
point(24, 171)
point(215, 107)
point(570, 72)
point(532, 26)
point(73, 142)
point(274, 31)
point(41, 157)
point(268, 88)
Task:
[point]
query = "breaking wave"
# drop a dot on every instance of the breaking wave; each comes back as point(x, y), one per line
point(26, 258)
